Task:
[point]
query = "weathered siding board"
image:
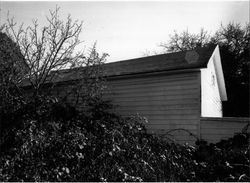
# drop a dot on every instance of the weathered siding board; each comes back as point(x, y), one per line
point(215, 129)
point(167, 101)
point(155, 83)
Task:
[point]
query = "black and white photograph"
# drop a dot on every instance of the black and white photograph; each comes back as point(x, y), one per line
point(125, 91)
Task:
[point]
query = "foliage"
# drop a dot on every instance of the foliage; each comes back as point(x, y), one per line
point(57, 143)
point(234, 42)
point(12, 70)
point(95, 146)
point(227, 160)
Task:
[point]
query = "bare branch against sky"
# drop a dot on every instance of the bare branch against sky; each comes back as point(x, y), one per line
point(126, 29)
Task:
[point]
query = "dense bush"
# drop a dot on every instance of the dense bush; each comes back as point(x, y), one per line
point(54, 142)
point(227, 160)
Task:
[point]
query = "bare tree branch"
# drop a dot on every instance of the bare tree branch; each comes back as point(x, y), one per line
point(48, 49)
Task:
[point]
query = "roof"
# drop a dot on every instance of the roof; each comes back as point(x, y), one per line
point(191, 59)
point(183, 60)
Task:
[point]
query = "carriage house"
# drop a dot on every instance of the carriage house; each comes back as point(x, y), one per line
point(178, 92)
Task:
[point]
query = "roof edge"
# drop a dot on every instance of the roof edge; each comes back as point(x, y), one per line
point(219, 72)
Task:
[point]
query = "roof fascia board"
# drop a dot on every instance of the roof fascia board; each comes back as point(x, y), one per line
point(169, 72)
point(219, 72)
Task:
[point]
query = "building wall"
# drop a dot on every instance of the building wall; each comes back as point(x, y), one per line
point(167, 101)
point(211, 105)
point(215, 129)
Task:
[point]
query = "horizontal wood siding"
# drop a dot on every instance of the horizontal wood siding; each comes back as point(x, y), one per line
point(167, 101)
point(215, 129)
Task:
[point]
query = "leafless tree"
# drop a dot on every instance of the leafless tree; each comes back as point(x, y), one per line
point(90, 73)
point(47, 48)
point(235, 36)
point(186, 41)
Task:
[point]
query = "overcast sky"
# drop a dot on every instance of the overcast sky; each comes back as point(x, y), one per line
point(127, 29)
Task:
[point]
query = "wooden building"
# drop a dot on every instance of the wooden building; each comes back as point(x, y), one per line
point(180, 92)
point(173, 91)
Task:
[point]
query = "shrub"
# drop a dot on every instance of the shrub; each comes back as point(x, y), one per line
point(94, 146)
point(57, 143)
point(227, 160)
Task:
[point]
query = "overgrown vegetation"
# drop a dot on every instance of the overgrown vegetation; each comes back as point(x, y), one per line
point(54, 142)
point(12, 69)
